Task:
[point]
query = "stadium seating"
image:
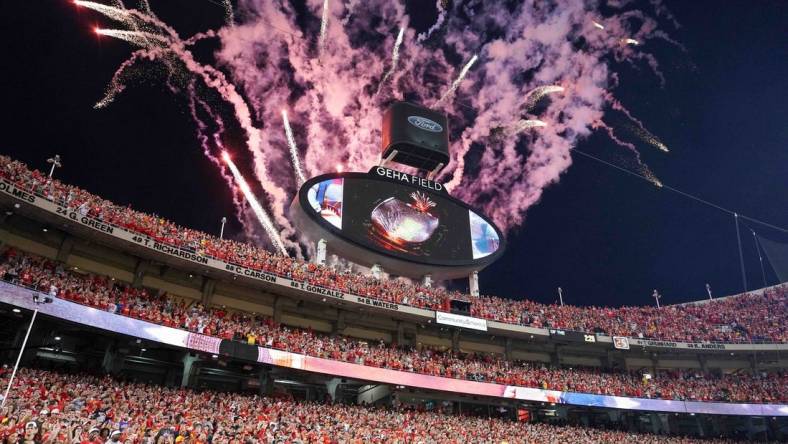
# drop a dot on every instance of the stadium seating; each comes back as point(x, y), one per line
point(47, 407)
point(110, 295)
point(746, 318)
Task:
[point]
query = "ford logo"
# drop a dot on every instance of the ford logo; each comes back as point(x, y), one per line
point(425, 124)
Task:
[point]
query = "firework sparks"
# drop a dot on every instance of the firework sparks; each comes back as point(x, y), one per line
point(139, 38)
point(525, 124)
point(130, 17)
point(536, 94)
point(145, 7)
point(456, 83)
point(638, 165)
point(116, 14)
point(299, 173)
point(337, 107)
point(261, 214)
point(647, 137)
point(394, 57)
point(215, 80)
point(637, 127)
point(229, 16)
point(632, 42)
point(323, 27)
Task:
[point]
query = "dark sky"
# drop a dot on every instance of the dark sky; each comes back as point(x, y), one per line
point(605, 237)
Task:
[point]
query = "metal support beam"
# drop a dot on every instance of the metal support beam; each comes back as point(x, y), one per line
point(455, 340)
point(473, 283)
point(435, 171)
point(65, 249)
point(555, 356)
point(340, 325)
point(389, 158)
point(704, 363)
point(400, 338)
point(320, 257)
point(278, 304)
point(208, 288)
point(139, 273)
point(188, 368)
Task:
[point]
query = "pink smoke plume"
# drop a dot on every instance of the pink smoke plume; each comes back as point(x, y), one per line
point(274, 61)
point(337, 113)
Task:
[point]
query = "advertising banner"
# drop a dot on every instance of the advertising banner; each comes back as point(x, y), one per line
point(460, 321)
point(23, 297)
point(621, 342)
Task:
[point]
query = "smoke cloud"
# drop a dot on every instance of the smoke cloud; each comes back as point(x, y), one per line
point(326, 67)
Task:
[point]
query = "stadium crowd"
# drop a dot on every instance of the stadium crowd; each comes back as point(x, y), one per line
point(47, 407)
point(113, 296)
point(746, 318)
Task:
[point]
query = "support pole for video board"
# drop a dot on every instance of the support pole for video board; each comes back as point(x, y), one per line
point(18, 359)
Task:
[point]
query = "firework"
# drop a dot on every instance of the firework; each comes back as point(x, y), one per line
point(130, 17)
point(630, 42)
point(323, 26)
point(641, 168)
point(456, 83)
point(299, 173)
point(117, 14)
point(229, 16)
point(337, 101)
point(394, 57)
point(524, 124)
point(261, 214)
point(637, 127)
point(139, 38)
point(536, 94)
point(647, 137)
point(145, 7)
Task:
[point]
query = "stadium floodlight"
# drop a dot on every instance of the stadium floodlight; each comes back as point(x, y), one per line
point(55, 161)
point(221, 230)
point(656, 297)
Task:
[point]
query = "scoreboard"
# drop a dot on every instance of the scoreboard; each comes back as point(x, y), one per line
point(408, 224)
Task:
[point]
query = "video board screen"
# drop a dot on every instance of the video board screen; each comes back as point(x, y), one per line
point(406, 221)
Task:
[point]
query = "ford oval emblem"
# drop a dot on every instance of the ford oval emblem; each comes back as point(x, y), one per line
point(425, 124)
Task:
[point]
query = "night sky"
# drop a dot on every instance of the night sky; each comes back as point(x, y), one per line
point(606, 238)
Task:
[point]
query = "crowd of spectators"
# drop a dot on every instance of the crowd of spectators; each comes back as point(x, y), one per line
point(113, 296)
point(45, 407)
point(746, 318)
